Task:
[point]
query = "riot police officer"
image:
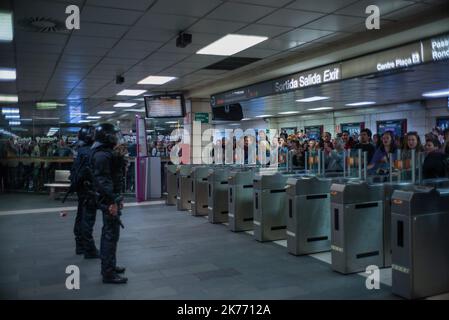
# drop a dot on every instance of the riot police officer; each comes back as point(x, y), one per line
point(108, 171)
point(86, 213)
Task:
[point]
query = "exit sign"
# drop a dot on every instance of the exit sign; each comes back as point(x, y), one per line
point(203, 117)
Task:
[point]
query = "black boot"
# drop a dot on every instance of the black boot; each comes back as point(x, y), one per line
point(120, 269)
point(79, 248)
point(114, 278)
point(95, 254)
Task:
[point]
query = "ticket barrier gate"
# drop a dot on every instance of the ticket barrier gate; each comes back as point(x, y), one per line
point(172, 184)
point(420, 246)
point(357, 220)
point(199, 202)
point(241, 200)
point(308, 217)
point(217, 194)
point(184, 188)
point(270, 198)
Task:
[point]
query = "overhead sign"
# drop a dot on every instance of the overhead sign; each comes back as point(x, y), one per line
point(203, 117)
point(434, 49)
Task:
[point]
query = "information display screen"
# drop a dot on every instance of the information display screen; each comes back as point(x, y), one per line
point(399, 127)
point(443, 123)
point(353, 128)
point(165, 106)
point(314, 132)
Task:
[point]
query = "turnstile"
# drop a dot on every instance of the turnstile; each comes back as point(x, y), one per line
point(217, 194)
point(270, 219)
point(420, 242)
point(199, 202)
point(172, 184)
point(308, 215)
point(184, 187)
point(241, 200)
point(357, 219)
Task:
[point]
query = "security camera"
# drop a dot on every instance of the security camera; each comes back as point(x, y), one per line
point(119, 79)
point(183, 40)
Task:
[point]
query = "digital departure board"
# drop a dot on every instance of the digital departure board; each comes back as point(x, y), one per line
point(165, 106)
point(398, 127)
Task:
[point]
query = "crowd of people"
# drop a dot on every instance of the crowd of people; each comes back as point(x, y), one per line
point(292, 150)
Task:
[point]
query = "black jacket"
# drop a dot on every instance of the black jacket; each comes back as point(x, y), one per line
point(78, 171)
point(434, 166)
point(108, 173)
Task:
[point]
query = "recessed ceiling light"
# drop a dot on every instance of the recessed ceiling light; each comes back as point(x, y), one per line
point(7, 74)
point(10, 110)
point(312, 99)
point(129, 92)
point(246, 119)
point(124, 105)
point(106, 112)
point(84, 121)
point(6, 26)
point(135, 110)
point(171, 122)
point(436, 94)
point(363, 103)
point(8, 98)
point(93, 117)
point(12, 116)
point(156, 80)
point(288, 112)
point(14, 123)
point(264, 116)
point(321, 108)
point(231, 44)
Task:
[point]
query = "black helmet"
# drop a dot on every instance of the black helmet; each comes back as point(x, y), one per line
point(106, 133)
point(86, 134)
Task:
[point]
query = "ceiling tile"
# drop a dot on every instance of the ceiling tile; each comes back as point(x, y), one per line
point(303, 35)
point(165, 21)
point(133, 49)
point(240, 12)
point(216, 26)
point(256, 53)
point(268, 3)
point(385, 6)
point(263, 30)
point(141, 5)
point(109, 15)
point(338, 23)
point(325, 6)
point(101, 30)
point(150, 34)
point(290, 18)
point(194, 8)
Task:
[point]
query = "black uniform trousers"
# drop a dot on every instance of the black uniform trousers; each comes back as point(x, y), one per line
point(109, 237)
point(84, 223)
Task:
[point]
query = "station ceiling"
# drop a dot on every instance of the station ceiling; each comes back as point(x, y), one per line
point(136, 38)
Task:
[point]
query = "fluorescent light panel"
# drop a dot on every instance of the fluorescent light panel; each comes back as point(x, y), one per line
point(93, 117)
point(320, 108)
point(264, 116)
point(106, 112)
point(10, 110)
point(124, 105)
point(231, 44)
point(135, 110)
point(288, 112)
point(8, 98)
point(7, 74)
point(12, 116)
point(6, 26)
point(129, 92)
point(156, 80)
point(363, 103)
point(436, 94)
point(84, 121)
point(312, 99)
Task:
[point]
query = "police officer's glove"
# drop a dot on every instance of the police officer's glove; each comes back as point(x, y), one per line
point(113, 209)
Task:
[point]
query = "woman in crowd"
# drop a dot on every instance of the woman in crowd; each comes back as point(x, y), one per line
point(380, 162)
point(335, 159)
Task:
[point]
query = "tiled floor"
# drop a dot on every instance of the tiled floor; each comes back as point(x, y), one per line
point(169, 255)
